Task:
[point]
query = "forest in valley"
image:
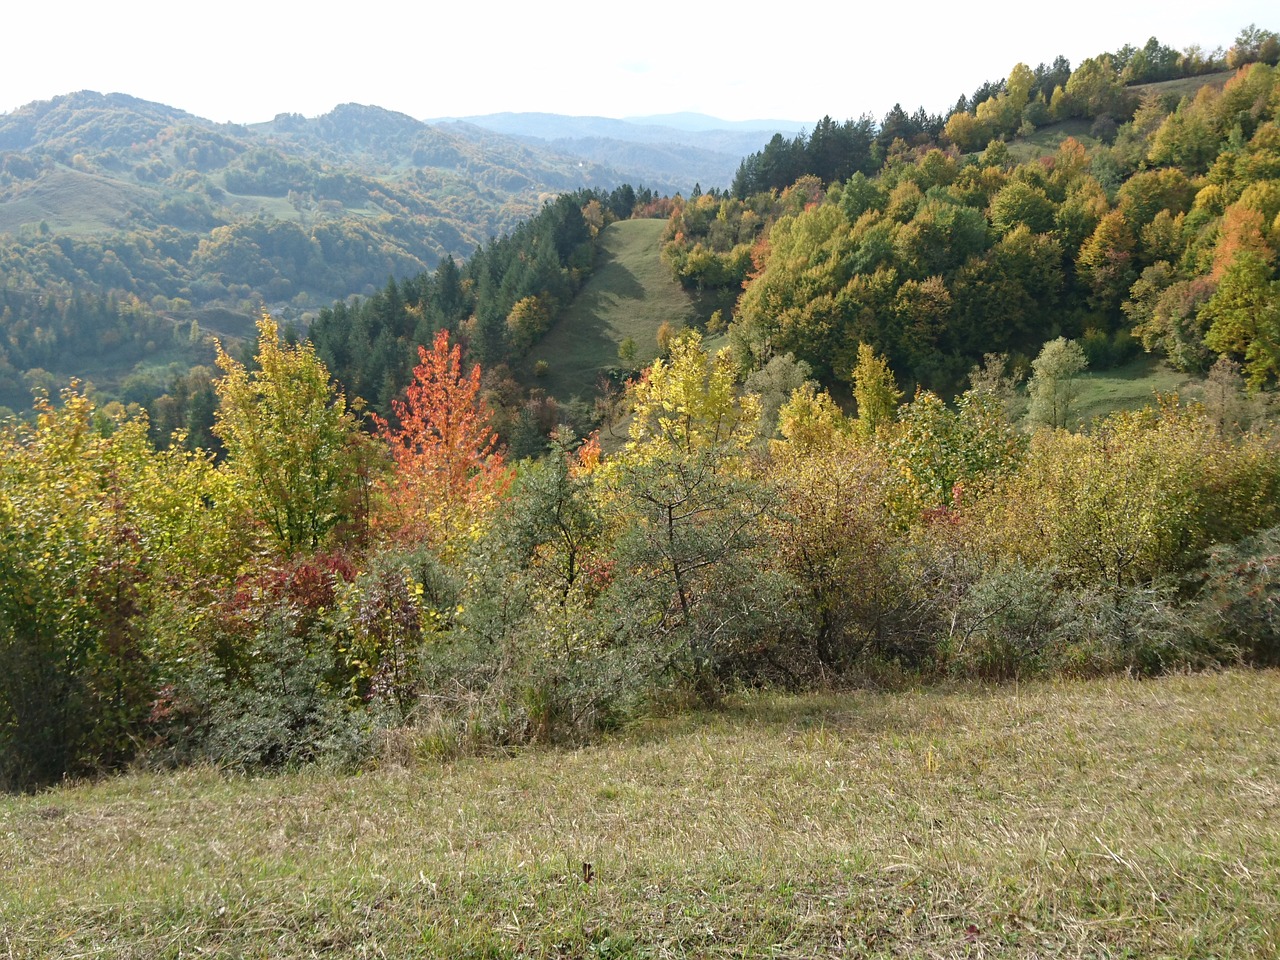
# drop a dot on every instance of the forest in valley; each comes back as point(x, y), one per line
point(125, 222)
point(861, 465)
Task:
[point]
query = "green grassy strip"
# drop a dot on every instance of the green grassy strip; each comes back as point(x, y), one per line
point(1131, 387)
point(630, 294)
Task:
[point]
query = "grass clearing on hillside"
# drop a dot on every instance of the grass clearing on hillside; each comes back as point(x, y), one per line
point(1130, 387)
point(1073, 819)
point(631, 293)
point(71, 202)
point(1184, 86)
point(1046, 140)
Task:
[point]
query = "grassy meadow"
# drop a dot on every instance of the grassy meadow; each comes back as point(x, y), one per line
point(1046, 140)
point(1185, 86)
point(1130, 387)
point(630, 294)
point(1105, 818)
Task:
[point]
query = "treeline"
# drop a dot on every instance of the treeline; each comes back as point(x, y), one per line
point(325, 583)
point(834, 151)
point(39, 334)
point(1027, 99)
point(1165, 237)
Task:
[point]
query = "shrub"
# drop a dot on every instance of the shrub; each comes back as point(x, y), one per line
point(43, 713)
point(1137, 499)
point(283, 709)
point(388, 612)
point(1238, 603)
point(75, 552)
point(1135, 629)
point(1004, 626)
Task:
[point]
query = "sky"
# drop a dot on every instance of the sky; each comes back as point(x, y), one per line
point(245, 62)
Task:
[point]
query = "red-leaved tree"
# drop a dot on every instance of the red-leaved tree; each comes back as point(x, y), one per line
point(449, 468)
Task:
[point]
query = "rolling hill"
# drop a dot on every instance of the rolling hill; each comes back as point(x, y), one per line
point(393, 194)
point(121, 212)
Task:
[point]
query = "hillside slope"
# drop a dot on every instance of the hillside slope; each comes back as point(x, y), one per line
point(630, 294)
point(110, 195)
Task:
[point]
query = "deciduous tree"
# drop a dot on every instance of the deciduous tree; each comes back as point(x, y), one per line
point(1054, 384)
point(293, 446)
point(449, 469)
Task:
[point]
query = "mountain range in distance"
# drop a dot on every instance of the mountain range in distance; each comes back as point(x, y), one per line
point(110, 199)
point(678, 149)
point(669, 152)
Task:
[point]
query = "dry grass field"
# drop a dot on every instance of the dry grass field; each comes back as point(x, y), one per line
point(1111, 818)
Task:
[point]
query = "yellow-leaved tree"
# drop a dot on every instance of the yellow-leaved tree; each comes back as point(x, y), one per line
point(294, 448)
point(99, 533)
point(693, 587)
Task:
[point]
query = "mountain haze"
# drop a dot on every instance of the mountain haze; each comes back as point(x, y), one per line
point(672, 152)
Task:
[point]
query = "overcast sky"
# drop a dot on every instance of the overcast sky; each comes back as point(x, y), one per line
point(247, 61)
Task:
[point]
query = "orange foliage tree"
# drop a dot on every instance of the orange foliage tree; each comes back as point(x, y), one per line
point(449, 468)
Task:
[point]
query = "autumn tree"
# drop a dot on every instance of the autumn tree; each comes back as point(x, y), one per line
point(1094, 88)
point(69, 564)
point(1254, 44)
point(1164, 311)
point(99, 533)
point(293, 446)
point(1186, 138)
point(691, 586)
point(1054, 384)
point(1106, 261)
point(528, 320)
point(1244, 317)
point(875, 390)
point(1021, 203)
point(966, 131)
point(449, 470)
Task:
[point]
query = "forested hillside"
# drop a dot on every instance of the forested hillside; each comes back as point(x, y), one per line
point(374, 529)
point(296, 208)
point(1125, 205)
point(1056, 202)
point(123, 221)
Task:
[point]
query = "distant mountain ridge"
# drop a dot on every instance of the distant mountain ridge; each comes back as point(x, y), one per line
point(73, 121)
point(701, 121)
point(697, 130)
point(680, 149)
point(405, 194)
